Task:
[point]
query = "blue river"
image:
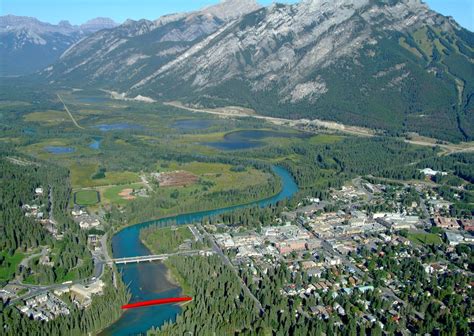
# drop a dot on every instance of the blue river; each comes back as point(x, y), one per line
point(148, 281)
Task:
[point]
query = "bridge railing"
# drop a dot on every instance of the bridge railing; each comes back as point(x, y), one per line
point(153, 257)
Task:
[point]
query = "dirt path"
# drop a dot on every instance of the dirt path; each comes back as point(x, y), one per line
point(70, 114)
point(235, 111)
point(447, 149)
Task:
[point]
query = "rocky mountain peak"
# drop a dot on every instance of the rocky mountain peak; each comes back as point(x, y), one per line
point(230, 9)
point(98, 24)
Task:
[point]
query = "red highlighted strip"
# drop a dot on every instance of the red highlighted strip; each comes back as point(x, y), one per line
point(156, 302)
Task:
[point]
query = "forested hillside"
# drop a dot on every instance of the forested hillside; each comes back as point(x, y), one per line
point(19, 176)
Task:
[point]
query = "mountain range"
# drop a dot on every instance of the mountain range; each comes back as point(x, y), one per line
point(392, 65)
point(28, 45)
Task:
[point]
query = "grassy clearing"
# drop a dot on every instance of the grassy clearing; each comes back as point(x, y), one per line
point(165, 240)
point(111, 195)
point(421, 38)
point(9, 264)
point(48, 118)
point(405, 45)
point(81, 176)
point(208, 137)
point(86, 197)
point(424, 238)
point(325, 139)
point(11, 140)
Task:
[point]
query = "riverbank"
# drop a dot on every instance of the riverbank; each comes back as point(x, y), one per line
point(149, 281)
point(173, 276)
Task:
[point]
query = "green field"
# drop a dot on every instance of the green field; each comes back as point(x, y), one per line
point(9, 264)
point(111, 195)
point(325, 139)
point(424, 238)
point(48, 118)
point(86, 197)
point(81, 176)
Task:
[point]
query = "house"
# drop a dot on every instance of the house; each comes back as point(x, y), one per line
point(333, 261)
point(314, 272)
point(370, 318)
point(319, 311)
point(77, 211)
point(468, 224)
point(440, 204)
point(39, 191)
point(307, 264)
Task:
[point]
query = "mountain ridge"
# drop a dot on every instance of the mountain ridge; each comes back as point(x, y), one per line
point(386, 64)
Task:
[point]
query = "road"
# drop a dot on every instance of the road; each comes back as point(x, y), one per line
point(35, 290)
point(70, 114)
point(196, 233)
point(26, 260)
point(51, 204)
point(226, 261)
point(357, 182)
point(154, 257)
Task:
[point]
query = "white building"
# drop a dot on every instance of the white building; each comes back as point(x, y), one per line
point(87, 224)
point(454, 238)
point(431, 172)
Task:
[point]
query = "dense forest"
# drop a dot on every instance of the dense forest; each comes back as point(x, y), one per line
point(219, 305)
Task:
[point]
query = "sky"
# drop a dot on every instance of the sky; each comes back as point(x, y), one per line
point(79, 11)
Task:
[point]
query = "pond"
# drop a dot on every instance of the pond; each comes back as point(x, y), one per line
point(59, 149)
point(95, 144)
point(247, 139)
point(118, 127)
point(193, 124)
point(29, 131)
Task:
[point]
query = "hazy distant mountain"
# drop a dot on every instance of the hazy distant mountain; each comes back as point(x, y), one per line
point(96, 24)
point(388, 64)
point(135, 49)
point(28, 45)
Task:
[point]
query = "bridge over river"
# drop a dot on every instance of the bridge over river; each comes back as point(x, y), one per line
point(155, 257)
